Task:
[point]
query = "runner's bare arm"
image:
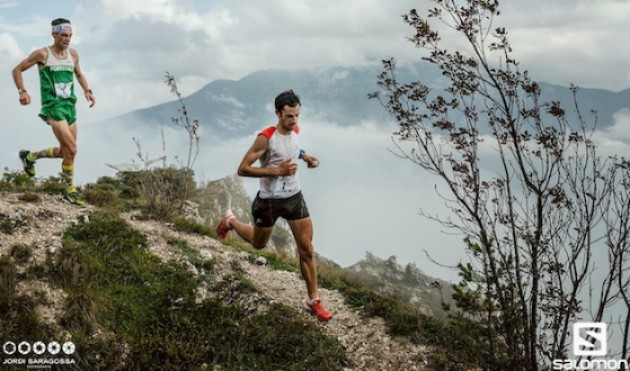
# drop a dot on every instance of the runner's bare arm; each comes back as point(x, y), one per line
point(37, 56)
point(260, 146)
point(81, 78)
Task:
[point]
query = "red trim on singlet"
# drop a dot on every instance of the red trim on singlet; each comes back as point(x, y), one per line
point(268, 132)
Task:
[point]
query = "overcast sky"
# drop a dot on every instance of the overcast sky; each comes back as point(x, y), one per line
point(126, 46)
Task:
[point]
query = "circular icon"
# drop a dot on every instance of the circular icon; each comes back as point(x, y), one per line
point(68, 347)
point(39, 347)
point(24, 347)
point(54, 347)
point(9, 347)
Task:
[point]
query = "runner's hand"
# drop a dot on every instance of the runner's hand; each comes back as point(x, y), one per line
point(90, 98)
point(311, 161)
point(25, 98)
point(287, 168)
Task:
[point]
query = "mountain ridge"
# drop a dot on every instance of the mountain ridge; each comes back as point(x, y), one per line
point(408, 284)
point(232, 108)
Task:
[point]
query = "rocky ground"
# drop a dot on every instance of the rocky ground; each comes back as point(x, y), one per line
point(369, 347)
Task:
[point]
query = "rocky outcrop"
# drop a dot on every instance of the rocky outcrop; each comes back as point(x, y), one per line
point(217, 197)
point(408, 283)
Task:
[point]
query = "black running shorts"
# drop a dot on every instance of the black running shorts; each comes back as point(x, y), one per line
point(267, 210)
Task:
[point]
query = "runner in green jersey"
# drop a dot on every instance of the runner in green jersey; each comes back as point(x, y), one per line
point(58, 66)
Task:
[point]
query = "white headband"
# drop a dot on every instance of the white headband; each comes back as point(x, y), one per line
point(61, 27)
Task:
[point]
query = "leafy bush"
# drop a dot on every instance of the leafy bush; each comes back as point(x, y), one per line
point(53, 185)
point(102, 197)
point(16, 180)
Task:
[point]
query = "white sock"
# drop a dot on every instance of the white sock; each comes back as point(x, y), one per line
point(311, 301)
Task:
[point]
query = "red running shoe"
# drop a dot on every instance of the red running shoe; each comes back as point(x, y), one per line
point(224, 227)
point(317, 308)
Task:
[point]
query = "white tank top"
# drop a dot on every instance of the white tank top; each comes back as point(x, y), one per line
point(281, 148)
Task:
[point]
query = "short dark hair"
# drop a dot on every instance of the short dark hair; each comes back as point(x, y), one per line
point(287, 98)
point(59, 21)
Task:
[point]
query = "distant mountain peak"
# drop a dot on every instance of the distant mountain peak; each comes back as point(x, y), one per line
point(407, 283)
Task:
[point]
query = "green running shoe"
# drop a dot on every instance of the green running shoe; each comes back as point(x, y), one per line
point(73, 198)
point(29, 166)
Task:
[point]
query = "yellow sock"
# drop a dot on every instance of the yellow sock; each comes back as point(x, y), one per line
point(44, 153)
point(67, 176)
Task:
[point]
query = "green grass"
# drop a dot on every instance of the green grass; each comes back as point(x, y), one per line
point(6, 224)
point(115, 284)
point(29, 197)
point(187, 226)
point(20, 253)
point(107, 192)
point(18, 319)
point(145, 309)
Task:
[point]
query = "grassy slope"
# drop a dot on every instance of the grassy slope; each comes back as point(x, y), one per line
point(146, 313)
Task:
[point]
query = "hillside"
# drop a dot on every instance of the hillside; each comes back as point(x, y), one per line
point(44, 240)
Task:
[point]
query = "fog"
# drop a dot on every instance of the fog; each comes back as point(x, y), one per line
point(361, 197)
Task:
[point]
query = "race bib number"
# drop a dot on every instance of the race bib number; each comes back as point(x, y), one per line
point(63, 90)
